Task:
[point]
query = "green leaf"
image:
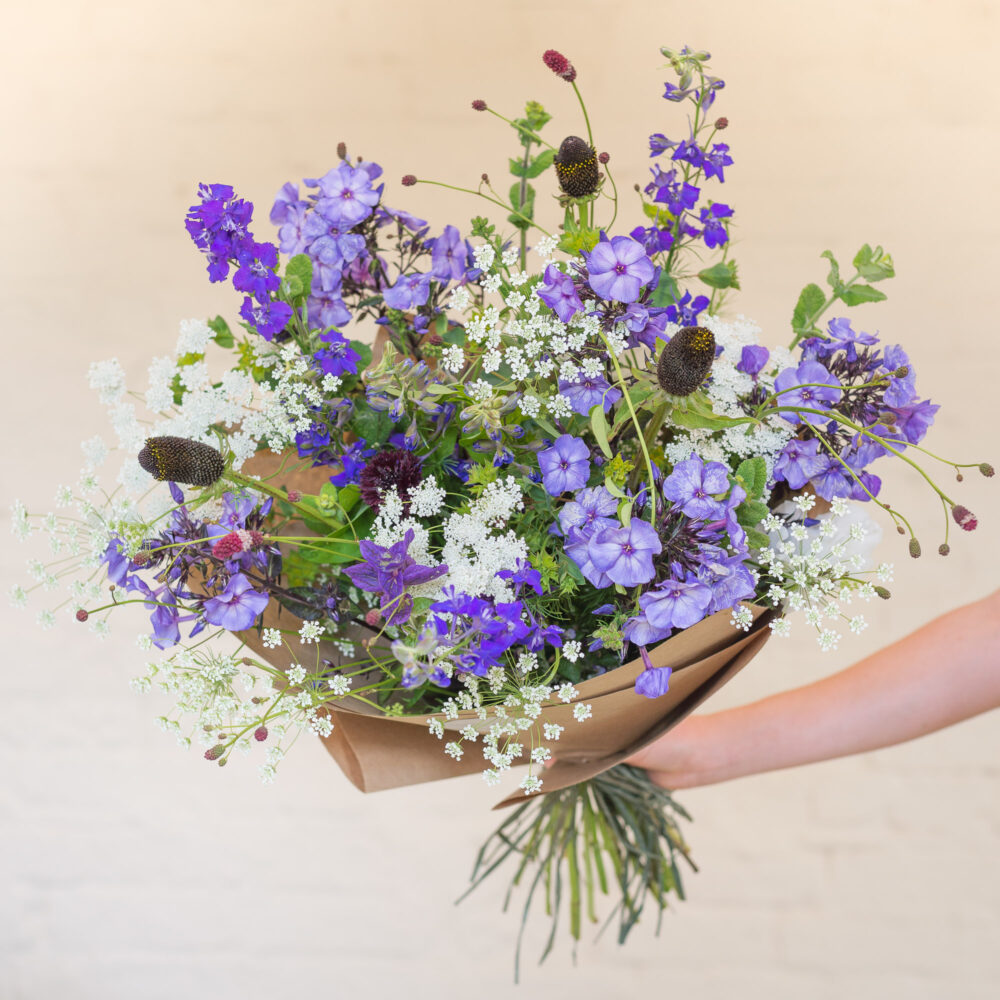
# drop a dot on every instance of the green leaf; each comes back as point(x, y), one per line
point(517, 167)
point(857, 294)
point(751, 513)
point(298, 275)
point(695, 420)
point(752, 473)
point(833, 278)
point(757, 539)
point(660, 216)
point(599, 424)
point(222, 335)
point(874, 265)
point(535, 115)
point(666, 292)
point(811, 301)
point(720, 275)
point(541, 163)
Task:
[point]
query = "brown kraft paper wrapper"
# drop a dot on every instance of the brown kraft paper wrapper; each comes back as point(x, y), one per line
point(377, 752)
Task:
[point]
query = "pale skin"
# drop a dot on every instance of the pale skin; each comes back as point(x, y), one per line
point(946, 671)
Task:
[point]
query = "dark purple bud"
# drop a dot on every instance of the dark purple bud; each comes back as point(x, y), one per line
point(721, 123)
point(478, 105)
point(408, 180)
point(260, 734)
point(214, 753)
point(342, 150)
point(82, 615)
point(964, 518)
point(603, 157)
point(943, 549)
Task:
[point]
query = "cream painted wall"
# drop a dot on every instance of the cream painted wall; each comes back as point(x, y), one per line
point(129, 869)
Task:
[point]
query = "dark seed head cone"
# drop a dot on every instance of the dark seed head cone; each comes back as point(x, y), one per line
point(181, 460)
point(576, 167)
point(389, 469)
point(686, 360)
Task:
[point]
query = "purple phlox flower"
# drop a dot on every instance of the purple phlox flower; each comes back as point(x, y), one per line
point(386, 215)
point(119, 564)
point(727, 577)
point(653, 240)
point(577, 547)
point(737, 535)
point(641, 632)
point(716, 160)
point(714, 231)
point(753, 357)
point(565, 466)
point(267, 318)
point(809, 385)
point(685, 311)
point(236, 508)
point(589, 507)
point(836, 481)
point(291, 233)
point(586, 391)
point(690, 152)
point(449, 255)
point(166, 630)
point(409, 291)
point(645, 324)
point(524, 575)
point(287, 204)
point(842, 333)
point(347, 195)
point(912, 422)
point(799, 462)
point(618, 268)
point(900, 391)
point(237, 607)
point(676, 603)
point(558, 292)
point(338, 357)
point(694, 484)
point(653, 681)
point(327, 309)
point(626, 554)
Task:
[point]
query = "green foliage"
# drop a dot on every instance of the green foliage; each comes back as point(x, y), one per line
point(599, 424)
point(482, 227)
point(874, 265)
point(524, 211)
point(666, 292)
point(298, 279)
point(752, 476)
point(536, 166)
point(221, 333)
point(807, 310)
point(364, 353)
point(576, 238)
point(374, 426)
point(720, 275)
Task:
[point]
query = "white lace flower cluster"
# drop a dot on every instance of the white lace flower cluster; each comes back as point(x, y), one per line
point(724, 390)
point(476, 546)
point(816, 567)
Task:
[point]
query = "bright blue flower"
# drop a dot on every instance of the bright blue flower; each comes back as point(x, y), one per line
point(237, 607)
point(717, 160)
point(913, 422)
point(671, 92)
point(626, 554)
point(618, 268)
point(267, 318)
point(559, 293)
point(809, 385)
point(753, 357)
point(256, 273)
point(714, 231)
point(686, 310)
point(690, 152)
point(525, 575)
point(565, 466)
point(338, 358)
point(659, 144)
point(653, 240)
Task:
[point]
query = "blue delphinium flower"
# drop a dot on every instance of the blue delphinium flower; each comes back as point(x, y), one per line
point(237, 607)
point(618, 268)
point(686, 310)
point(338, 357)
point(809, 385)
point(716, 160)
point(267, 318)
point(565, 466)
point(713, 231)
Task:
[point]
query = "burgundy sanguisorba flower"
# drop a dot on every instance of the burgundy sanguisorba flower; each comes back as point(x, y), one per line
point(393, 468)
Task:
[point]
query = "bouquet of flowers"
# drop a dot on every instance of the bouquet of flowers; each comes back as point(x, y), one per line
point(543, 503)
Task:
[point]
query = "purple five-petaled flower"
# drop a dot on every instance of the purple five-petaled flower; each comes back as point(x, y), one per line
point(237, 607)
point(626, 554)
point(565, 466)
point(618, 269)
point(810, 386)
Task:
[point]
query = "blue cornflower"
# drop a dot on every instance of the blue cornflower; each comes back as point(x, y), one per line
point(565, 466)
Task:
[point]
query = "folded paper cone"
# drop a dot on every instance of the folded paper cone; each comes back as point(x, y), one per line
point(377, 752)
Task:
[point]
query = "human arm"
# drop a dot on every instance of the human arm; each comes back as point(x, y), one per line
point(946, 671)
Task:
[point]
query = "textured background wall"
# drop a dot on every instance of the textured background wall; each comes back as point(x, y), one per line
point(129, 869)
